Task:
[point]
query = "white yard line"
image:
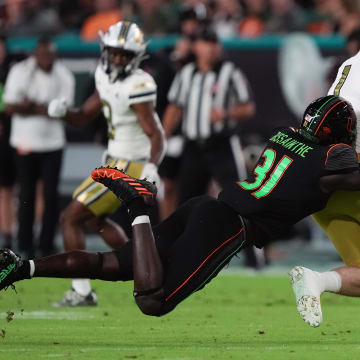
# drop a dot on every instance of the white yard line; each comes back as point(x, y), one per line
point(54, 315)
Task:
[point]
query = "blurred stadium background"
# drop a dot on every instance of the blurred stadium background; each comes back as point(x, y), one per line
point(287, 49)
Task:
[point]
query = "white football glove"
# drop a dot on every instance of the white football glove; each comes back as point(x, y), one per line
point(150, 172)
point(57, 108)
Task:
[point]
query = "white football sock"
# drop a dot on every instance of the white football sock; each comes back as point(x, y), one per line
point(141, 219)
point(32, 268)
point(329, 281)
point(81, 286)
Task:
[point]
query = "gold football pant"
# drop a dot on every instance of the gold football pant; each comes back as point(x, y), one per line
point(340, 220)
point(98, 198)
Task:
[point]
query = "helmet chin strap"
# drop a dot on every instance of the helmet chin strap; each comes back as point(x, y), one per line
point(117, 72)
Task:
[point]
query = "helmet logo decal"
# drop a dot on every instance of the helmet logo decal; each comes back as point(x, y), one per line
point(139, 37)
point(349, 124)
point(124, 31)
point(308, 119)
point(326, 130)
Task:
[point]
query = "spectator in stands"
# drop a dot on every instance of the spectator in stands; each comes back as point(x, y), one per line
point(107, 12)
point(256, 13)
point(228, 15)
point(347, 16)
point(335, 16)
point(7, 163)
point(30, 17)
point(38, 139)
point(286, 16)
point(151, 17)
point(74, 13)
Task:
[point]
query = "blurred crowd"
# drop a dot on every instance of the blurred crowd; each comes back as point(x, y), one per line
point(229, 18)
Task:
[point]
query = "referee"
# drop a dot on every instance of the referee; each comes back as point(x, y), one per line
point(211, 98)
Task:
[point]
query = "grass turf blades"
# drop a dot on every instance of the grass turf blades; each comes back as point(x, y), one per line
point(235, 317)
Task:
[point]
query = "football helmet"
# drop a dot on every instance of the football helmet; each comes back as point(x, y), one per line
point(125, 36)
point(329, 120)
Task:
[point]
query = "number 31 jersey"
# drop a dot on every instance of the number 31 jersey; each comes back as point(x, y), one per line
point(127, 139)
point(284, 185)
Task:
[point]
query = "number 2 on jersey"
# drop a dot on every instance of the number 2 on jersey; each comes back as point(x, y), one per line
point(108, 116)
point(263, 187)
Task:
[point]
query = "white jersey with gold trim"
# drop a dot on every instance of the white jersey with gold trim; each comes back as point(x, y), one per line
point(347, 86)
point(127, 139)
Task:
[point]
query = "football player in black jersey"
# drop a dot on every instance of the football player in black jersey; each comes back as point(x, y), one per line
point(294, 177)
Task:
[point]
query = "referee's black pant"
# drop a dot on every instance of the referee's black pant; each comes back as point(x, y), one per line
point(201, 161)
point(31, 168)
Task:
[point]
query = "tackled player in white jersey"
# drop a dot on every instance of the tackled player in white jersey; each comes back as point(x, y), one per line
point(127, 96)
point(340, 220)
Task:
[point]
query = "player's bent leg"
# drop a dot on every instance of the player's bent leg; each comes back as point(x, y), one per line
point(112, 233)
point(307, 294)
point(350, 280)
point(340, 221)
point(91, 202)
point(138, 195)
point(213, 235)
point(150, 302)
point(71, 221)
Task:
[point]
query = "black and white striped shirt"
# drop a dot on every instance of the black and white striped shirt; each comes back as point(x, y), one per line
point(197, 93)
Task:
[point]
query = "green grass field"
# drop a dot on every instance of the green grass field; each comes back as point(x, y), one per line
point(235, 317)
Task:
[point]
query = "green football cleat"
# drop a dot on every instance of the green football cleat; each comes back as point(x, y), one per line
point(9, 264)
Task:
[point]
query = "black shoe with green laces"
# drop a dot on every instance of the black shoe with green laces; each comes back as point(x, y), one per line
point(9, 266)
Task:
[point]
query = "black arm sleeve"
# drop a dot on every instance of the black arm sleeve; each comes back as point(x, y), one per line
point(341, 170)
point(340, 159)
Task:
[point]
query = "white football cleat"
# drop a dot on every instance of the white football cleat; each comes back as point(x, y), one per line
point(72, 298)
point(307, 295)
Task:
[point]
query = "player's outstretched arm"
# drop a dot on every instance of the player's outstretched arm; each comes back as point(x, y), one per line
point(151, 125)
point(77, 117)
point(330, 183)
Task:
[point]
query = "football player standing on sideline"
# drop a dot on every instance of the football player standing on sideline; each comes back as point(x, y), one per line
point(126, 95)
point(339, 220)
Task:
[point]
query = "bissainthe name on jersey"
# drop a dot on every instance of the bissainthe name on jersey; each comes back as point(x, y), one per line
point(290, 143)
